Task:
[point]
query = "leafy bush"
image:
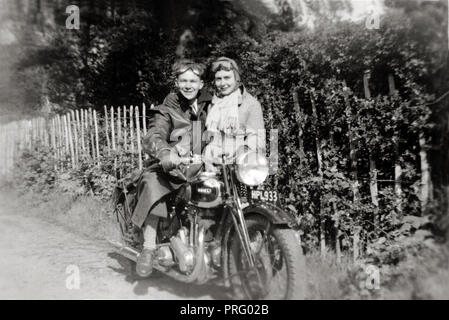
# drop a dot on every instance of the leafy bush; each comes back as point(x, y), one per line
point(35, 170)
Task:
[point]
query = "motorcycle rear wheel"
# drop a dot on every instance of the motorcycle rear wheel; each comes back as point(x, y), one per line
point(131, 235)
point(279, 261)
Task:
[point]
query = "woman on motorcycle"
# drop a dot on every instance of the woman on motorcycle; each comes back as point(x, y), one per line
point(235, 118)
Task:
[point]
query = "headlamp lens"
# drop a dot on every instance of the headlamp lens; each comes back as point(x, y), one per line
point(252, 168)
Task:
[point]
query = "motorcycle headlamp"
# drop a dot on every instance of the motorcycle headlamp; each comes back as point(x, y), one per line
point(252, 168)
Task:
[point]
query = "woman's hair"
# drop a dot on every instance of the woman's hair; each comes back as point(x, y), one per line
point(227, 64)
point(181, 66)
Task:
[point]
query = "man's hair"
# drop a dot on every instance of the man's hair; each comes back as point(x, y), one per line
point(181, 66)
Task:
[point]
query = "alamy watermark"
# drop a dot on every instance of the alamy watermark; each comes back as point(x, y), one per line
point(372, 281)
point(73, 281)
point(73, 20)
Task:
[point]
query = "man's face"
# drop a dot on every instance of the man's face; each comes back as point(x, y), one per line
point(225, 82)
point(189, 84)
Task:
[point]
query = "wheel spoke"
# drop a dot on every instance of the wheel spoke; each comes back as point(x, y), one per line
point(270, 265)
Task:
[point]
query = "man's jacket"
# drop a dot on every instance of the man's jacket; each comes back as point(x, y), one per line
point(174, 127)
point(169, 130)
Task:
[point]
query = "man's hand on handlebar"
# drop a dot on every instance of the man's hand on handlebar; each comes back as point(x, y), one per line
point(172, 161)
point(195, 159)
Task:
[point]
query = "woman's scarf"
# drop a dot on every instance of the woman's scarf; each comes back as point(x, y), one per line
point(223, 114)
point(222, 124)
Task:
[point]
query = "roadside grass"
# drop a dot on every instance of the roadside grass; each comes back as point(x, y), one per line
point(83, 215)
point(324, 275)
point(423, 275)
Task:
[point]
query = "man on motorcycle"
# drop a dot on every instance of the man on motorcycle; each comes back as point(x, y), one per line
point(174, 131)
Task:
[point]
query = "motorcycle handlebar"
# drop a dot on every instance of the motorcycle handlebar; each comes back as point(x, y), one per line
point(190, 160)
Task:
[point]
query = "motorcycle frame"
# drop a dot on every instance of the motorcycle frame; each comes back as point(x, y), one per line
point(234, 208)
point(273, 214)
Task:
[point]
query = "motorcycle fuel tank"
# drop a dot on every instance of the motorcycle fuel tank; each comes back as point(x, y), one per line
point(206, 193)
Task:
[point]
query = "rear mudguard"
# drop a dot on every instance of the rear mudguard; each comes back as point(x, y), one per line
point(274, 214)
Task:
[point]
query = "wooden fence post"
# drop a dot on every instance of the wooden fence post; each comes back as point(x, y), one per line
point(397, 164)
point(300, 122)
point(372, 162)
point(60, 143)
point(131, 129)
point(113, 140)
point(33, 131)
point(78, 129)
point(320, 173)
point(53, 142)
point(337, 235)
point(355, 245)
point(86, 132)
point(72, 150)
point(106, 131)
point(37, 130)
point(144, 119)
point(97, 146)
point(425, 172)
point(83, 144)
point(125, 133)
point(352, 145)
point(75, 137)
point(139, 146)
point(119, 126)
point(334, 205)
point(112, 128)
point(66, 136)
point(91, 132)
point(144, 123)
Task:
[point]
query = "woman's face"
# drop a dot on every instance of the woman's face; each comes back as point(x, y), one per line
point(225, 82)
point(189, 84)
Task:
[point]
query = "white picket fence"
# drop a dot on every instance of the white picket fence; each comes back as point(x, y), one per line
point(76, 134)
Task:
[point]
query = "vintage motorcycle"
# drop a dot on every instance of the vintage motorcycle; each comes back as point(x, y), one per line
point(222, 225)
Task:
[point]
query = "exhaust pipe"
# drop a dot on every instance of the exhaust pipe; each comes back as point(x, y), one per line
point(125, 251)
point(132, 254)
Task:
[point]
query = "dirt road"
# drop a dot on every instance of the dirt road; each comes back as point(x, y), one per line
point(41, 260)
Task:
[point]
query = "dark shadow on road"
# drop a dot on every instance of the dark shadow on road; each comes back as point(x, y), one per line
point(164, 283)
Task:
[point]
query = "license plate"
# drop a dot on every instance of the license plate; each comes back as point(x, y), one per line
point(265, 195)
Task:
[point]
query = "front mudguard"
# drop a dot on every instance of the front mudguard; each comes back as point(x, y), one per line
point(271, 212)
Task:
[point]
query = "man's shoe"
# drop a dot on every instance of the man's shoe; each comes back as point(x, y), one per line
point(144, 265)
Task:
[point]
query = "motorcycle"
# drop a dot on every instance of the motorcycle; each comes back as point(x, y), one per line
point(223, 225)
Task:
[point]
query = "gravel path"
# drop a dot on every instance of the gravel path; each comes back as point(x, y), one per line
point(39, 258)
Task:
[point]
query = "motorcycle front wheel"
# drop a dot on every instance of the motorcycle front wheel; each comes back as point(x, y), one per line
point(279, 272)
